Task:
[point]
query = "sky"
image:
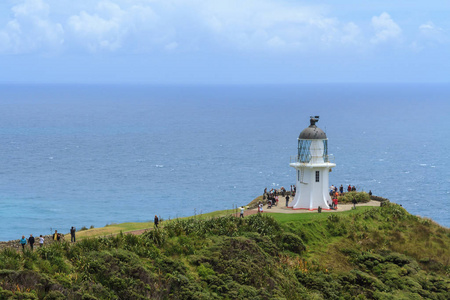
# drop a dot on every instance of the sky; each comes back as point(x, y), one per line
point(224, 41)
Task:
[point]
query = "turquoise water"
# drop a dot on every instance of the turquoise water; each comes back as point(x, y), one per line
point(95, 155)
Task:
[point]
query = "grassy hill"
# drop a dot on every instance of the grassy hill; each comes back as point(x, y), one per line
point(368, 253)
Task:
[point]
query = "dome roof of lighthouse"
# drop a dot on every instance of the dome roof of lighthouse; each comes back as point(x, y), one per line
point(313, 132)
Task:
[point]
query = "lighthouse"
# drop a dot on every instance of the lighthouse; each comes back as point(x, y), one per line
point(313, 165)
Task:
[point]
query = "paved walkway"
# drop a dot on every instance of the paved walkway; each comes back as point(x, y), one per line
point(281, 208)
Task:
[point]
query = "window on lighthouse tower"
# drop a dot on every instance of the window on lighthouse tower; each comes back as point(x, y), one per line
point(317, 176)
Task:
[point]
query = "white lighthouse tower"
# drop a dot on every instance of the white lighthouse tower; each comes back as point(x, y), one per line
point(313, 165)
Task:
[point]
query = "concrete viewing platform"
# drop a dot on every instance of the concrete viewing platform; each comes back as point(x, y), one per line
point(281, 208)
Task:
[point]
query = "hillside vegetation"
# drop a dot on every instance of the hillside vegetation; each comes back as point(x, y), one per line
point(370, 253)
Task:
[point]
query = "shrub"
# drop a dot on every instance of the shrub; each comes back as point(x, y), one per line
point(292, 243)
point(55, 295)
point(157, 236)
point(335, 226)
point(205, 270)
point(263, 224)
point(360, 197)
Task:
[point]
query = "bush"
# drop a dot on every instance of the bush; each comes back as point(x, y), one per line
point(361, 197)
point(205, 270)
point(55, 295)
point(292, 242)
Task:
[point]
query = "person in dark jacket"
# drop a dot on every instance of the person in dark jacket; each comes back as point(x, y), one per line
point(156, 221)
point(72, 234)
point(31, 241)
point(56, 236)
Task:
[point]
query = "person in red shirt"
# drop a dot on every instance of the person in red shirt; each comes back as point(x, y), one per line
point(335, 201)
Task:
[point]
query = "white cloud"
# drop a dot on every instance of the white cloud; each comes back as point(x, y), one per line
point(430, 36)
point(251, 25)
point(31, 29)
point(433, 33)
point(385, 28)
point(97, 32)
point(196, 24)
point(146, 26)
point(351, 33)
point(110, 26)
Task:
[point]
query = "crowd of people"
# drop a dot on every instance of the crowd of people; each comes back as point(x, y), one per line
point(272, 196)
point(56, 237)
point(335, 192)
point(340, 190)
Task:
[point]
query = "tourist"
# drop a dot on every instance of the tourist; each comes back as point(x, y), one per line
point(31, 241)
point(41, 241)
point(332, 188)
point(370, 193)
point(330, 204)
point(353, 188)
point(349, 189)
point(23, 242)
point(341, 189)
point(72, 234)
point(156, 221)
point(242, 212)
point(56, 236)
point(354, 203)
point(335, 201)
point(287, 200)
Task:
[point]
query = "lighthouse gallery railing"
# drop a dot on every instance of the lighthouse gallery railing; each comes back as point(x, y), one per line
point(306, 159)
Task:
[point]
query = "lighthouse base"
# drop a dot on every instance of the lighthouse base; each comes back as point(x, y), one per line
point(312, 186)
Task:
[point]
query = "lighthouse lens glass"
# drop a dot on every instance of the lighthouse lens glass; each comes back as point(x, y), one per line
point(304, 153)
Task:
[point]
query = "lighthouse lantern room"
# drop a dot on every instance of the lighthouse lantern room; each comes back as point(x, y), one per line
point(312, 164)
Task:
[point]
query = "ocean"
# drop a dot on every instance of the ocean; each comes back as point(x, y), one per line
point(82, 155)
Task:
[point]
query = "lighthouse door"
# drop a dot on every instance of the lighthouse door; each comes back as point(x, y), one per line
point(302, 174)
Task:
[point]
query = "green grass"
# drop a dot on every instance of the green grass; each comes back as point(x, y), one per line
point(114, 229)
point(314, 216)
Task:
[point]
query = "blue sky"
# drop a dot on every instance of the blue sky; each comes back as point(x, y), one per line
point(223, 41)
